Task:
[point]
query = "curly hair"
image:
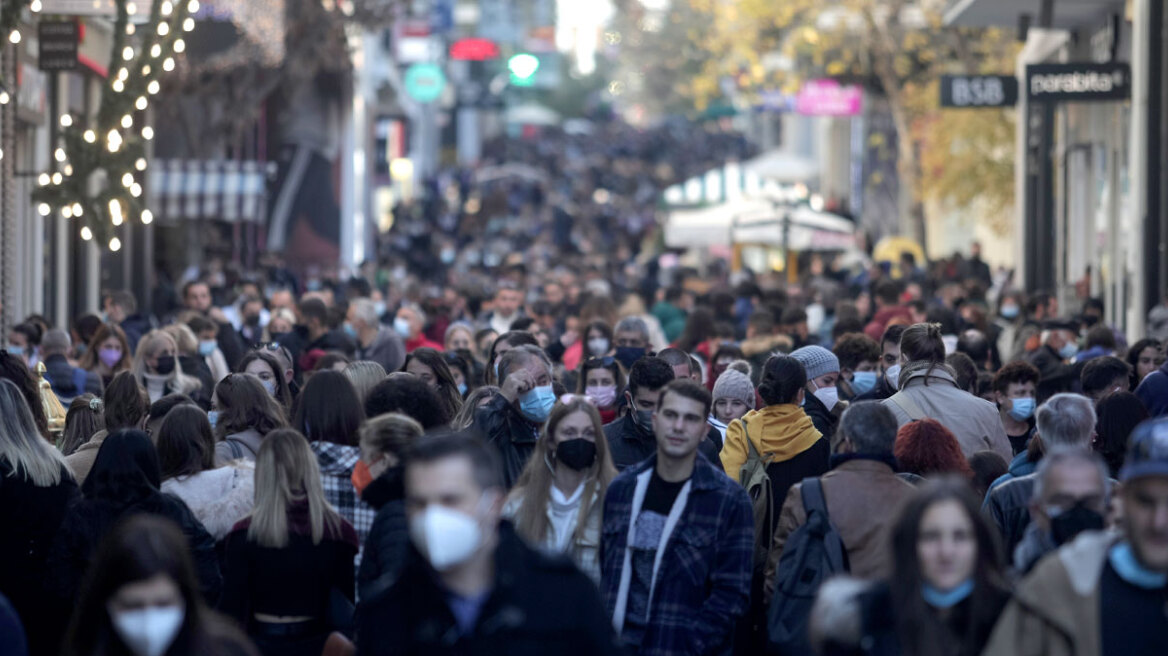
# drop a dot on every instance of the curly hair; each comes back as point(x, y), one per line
point(926, 447)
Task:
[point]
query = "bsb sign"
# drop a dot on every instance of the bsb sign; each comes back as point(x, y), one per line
point(965, 91)
point(1082, 82)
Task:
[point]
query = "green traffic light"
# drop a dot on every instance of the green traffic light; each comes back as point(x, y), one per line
point(523, 68)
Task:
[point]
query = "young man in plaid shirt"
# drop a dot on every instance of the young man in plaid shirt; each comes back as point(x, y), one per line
point(678, 539)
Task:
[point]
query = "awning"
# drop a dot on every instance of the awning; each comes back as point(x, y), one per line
point(1068, 14)
point(225, 190)
point(767, 175)
point(759, 221)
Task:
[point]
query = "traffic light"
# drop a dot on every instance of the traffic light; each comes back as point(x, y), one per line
point(523, 67)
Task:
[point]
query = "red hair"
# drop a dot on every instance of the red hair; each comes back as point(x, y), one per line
point(926, 447)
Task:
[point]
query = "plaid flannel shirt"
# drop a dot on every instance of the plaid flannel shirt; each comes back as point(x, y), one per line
point(703, 586)
point(336, 471)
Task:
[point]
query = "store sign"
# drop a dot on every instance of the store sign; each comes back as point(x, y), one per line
point(1082, 82)
point(979, 91)
point(106, 8)
point(829, 98)
point(425, 82)
point(58, 45)
point(474, 49)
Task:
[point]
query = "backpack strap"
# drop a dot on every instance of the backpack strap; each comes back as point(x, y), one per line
point(813, 500)
point(812, 492)
point(751, 450)
point(910, 407)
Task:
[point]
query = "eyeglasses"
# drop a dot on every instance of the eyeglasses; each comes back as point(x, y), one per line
point(606, 361)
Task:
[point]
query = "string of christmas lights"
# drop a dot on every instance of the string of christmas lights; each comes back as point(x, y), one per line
point(98, 169)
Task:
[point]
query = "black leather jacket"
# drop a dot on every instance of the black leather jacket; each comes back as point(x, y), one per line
point(499, 423)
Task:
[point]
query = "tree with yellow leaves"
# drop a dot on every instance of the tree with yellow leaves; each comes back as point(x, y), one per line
point(895, 48)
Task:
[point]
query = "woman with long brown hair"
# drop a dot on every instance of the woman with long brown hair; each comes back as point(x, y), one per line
point(947, 588)
point(558, 499)
point(108, 353)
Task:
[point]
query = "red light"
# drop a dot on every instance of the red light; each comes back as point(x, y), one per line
point(474, 50)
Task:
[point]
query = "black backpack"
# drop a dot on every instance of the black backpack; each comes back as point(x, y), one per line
point(812, 554)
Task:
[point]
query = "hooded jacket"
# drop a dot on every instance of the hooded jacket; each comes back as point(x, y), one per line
point(1056, 610)
point(218, 497)
point(974, 422)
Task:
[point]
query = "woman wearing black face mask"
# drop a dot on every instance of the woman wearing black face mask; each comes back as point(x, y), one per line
point(558, 499)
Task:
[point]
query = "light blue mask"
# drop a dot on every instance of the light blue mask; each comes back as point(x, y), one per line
point(892, 375)
point(213, 417)
point(1023, 409)
point(537, 404)
point(1123, 560)
point(18, 351)
point(350, 330)
point(207, 347)
point(462, 389)
point(1069, 350)
point(863, 382)
point(946, 598)
point(1009, 311)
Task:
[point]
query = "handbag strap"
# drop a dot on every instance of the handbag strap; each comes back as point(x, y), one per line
point(909, 406)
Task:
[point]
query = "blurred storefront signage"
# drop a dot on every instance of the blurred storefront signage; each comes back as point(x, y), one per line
point(108, 8)
point(58, 42)
point(1079, 82)
point(979, 91)
point(474, 49)
point(829, 98)
point(425, 82)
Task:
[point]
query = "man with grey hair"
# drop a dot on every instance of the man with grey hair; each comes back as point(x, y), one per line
point(1071, 491)
point(512, 421)
point(66, 380)
point(862, 492)
point(376, 342)
point(631, 339)
point(1065, 421)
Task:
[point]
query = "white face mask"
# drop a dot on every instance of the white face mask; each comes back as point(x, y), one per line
point(148, 631)
point(829, 396)
point(445, 537)
point(893, 376)
point(597, 346)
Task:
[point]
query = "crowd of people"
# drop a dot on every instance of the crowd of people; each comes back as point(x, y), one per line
point(601, 452)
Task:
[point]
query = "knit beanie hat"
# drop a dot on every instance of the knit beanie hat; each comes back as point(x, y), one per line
point(734, 383)
point(817, 361)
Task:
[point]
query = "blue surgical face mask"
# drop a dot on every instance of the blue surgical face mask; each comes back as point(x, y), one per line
point(1123, 560)
point(402, 327)
point(462, 389)
point(270, 386)
point(1022, 409)
point(18, 351)
point(213, 417)
point(946, 598)
point(207, 347)
point(537, 404)
point(1069, 350)
point(379, 308)
point(863, 382)
point(1009, 311)
point(350, 330)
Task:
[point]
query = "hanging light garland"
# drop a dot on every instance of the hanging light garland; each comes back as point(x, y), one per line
point(103, 164)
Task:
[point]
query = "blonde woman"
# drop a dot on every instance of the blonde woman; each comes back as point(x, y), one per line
point(284, 561)
point(364, 374)
point(157, 369)
point(559, 498)
point(36, 488)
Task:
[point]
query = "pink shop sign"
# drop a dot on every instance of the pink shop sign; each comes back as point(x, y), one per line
point(829, 98)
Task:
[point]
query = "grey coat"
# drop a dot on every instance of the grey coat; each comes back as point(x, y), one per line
point(973, 421)
point(386, 349)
